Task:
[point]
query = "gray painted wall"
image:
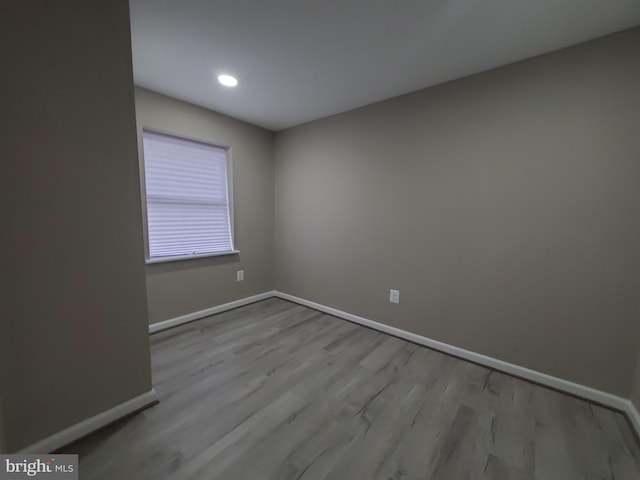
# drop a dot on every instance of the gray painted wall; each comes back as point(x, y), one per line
point(74, 309)
point(504, 206)
point(635, 387)
point(179, 288)
point(4, 379)
point(3, 441)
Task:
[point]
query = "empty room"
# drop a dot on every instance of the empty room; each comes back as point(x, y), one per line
point(341, 239)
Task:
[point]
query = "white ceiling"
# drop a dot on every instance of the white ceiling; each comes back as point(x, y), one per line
point(299, 60)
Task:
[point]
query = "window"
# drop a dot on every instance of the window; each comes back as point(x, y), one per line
point(187, 198)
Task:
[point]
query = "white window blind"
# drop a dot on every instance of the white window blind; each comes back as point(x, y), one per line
point(187, 197)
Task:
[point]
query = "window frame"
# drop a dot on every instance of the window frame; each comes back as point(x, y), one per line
point(143, 193)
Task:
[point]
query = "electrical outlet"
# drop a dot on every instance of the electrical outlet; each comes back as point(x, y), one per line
point(240, 275)
point(394, 296)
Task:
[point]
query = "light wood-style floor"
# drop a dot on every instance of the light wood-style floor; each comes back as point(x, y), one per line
point(277, 391)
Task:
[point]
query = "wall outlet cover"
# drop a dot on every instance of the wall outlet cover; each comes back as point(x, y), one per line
point(394, 296)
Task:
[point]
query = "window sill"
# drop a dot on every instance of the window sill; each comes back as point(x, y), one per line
point(150, 261)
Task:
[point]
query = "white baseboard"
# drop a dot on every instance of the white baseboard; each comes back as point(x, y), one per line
point(174, 322)
point(634, 416)
point(588, 393)
point(85, 427)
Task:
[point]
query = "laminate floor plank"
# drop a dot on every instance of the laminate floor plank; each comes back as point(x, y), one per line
point(275, 390)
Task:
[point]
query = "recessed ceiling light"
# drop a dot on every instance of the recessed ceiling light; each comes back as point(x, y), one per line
point(227, 80)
